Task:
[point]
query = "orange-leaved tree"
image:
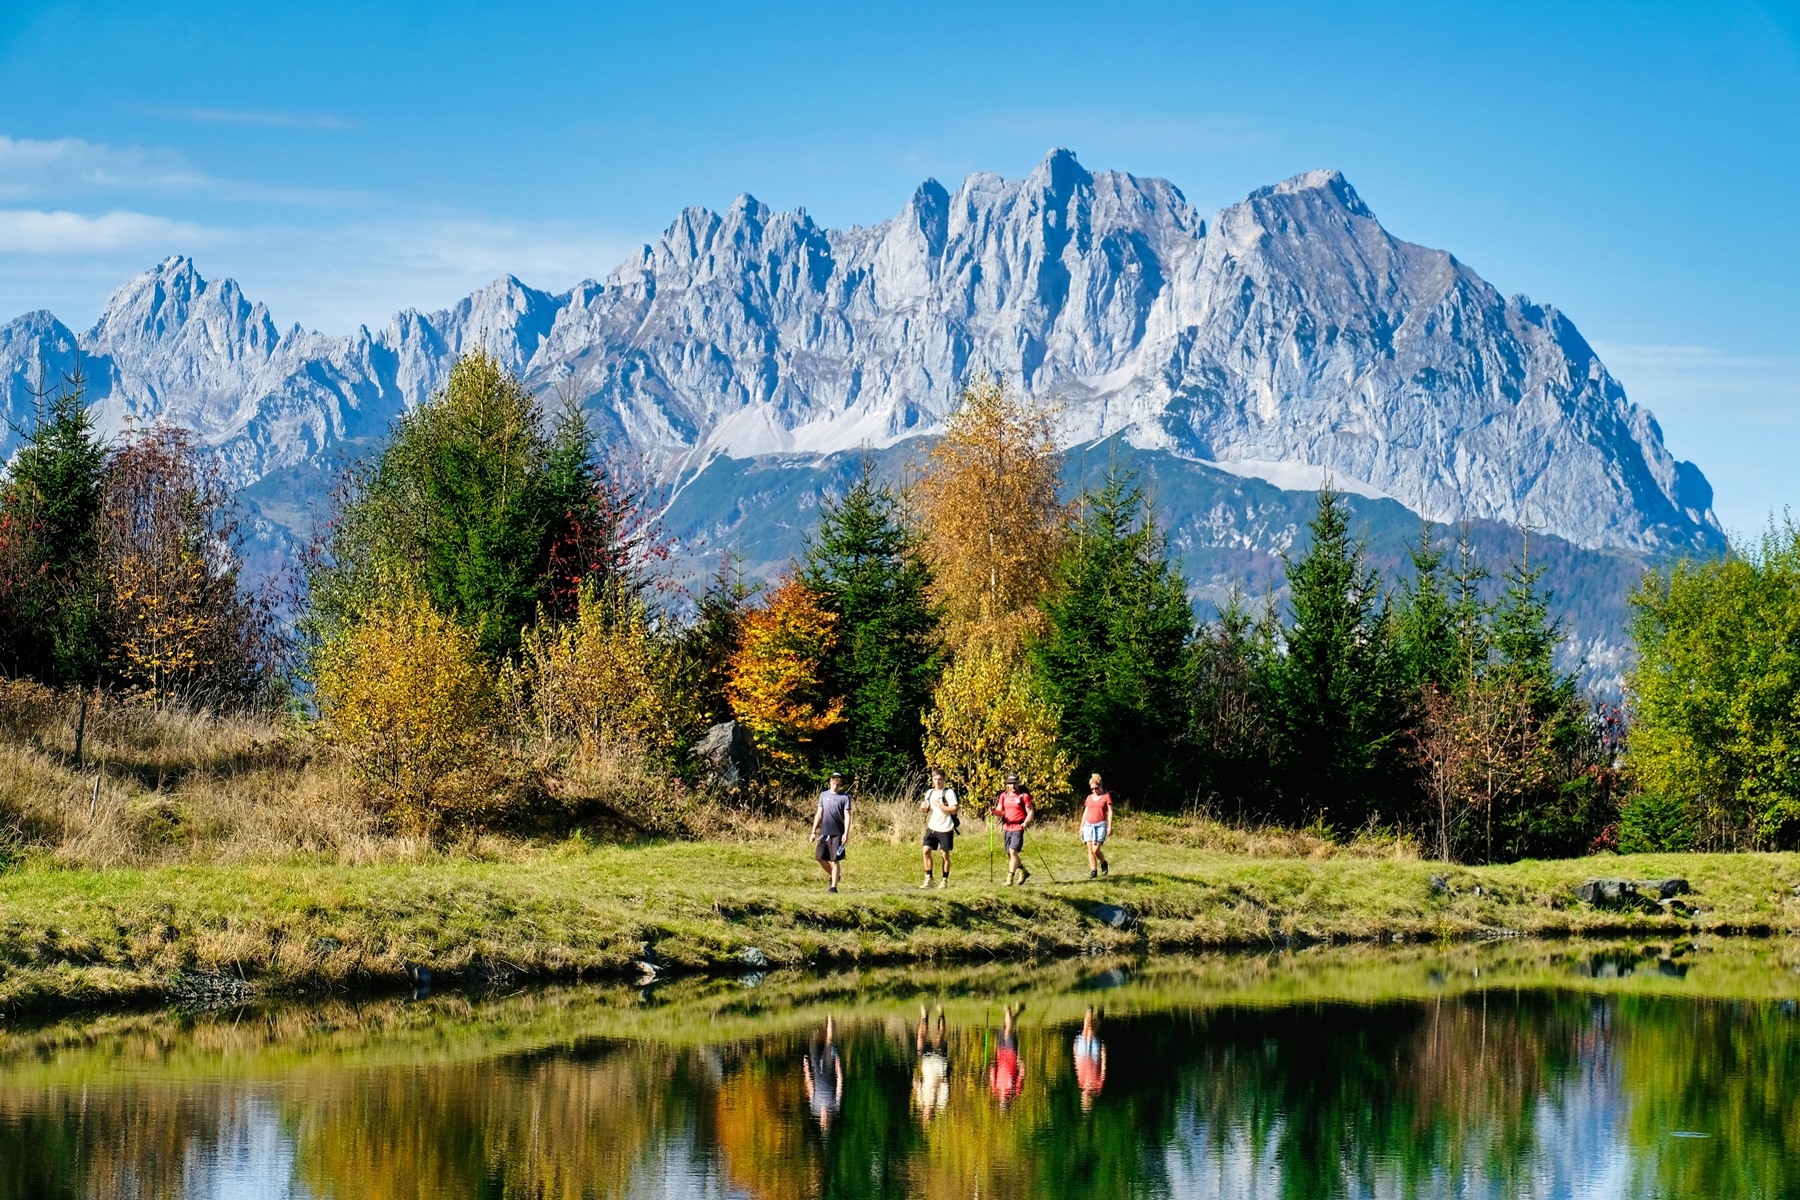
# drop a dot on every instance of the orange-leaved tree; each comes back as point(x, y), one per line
point(988, 509)
point(776, 685)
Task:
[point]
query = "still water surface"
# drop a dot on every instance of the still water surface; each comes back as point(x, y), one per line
point(1521, 1072)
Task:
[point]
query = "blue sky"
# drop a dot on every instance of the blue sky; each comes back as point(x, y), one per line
point(1636, 164)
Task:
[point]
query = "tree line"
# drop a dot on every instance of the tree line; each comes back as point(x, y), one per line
point(483, 612)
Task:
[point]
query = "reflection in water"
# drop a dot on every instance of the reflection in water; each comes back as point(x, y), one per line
point(1500, 1093)
point(1090, 1062)
point(933, 1084)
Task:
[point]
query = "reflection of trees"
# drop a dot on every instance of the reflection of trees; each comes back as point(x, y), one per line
point(1502, 1094)
point(548, 1126)
point(112, 1143)
point(1395, 1099)
point(1726, 1069)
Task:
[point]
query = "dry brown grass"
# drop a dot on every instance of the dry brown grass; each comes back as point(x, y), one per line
point(164, 784)
point(167, 785)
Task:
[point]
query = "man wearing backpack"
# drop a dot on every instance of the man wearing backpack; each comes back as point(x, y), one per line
point(1015, 811)
point(940, 825)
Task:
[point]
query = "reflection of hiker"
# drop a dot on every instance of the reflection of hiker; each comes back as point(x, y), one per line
point(1016, 812)
point(831, 829)
point(1006, 1075)
point(824, 1072)
point(940, 825)
point(1096, 824)
point(1090, 1062)
point(933, 1086)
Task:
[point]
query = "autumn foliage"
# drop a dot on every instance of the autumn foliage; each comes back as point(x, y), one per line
point(404, 694)
point(776, 686)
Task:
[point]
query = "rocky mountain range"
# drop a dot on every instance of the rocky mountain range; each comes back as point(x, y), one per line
point(1290, 339)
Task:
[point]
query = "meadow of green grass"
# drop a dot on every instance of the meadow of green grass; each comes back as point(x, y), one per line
point(81, 938)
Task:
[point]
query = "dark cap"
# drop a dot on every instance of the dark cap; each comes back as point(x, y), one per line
point(1012, 779)
point(836, 775)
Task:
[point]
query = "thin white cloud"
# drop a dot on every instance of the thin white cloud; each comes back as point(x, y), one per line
point(32, 168)
point(66, 168)
point(234, 116)
point(35, 232)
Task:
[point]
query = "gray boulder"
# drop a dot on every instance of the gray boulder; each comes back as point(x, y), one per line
point(1112, 914)
point(729, 755)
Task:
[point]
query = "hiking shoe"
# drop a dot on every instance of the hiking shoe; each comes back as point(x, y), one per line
point(1092, 874)
point(831, 889)
point(926, 884)
point(1024, 875)
point(1104, 866)
point(944, 882)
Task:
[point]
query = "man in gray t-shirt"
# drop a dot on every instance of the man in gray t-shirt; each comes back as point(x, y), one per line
point(831, 829)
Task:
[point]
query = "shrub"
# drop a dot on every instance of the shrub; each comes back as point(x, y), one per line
point(605, 678)
point(1652, 822)
point(989, 716)
point(403, 694)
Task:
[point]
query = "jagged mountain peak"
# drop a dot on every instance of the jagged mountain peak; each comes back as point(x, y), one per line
point(1291, 336)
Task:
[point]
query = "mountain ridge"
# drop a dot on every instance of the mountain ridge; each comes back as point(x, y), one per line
point(1291, 330)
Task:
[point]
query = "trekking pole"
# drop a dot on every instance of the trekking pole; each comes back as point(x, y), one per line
point(990, 829)
point(1044, 863)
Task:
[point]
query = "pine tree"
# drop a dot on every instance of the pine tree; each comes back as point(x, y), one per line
point(483, 510)
point(712, 637)
point(1336, 703)
point(1113, 653)
point(1426, 638)
point(865, 564)
point(1230, 739)
point(50, 581)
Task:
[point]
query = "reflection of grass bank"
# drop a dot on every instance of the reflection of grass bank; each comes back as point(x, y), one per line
point(71, 937)
point(110, 1051)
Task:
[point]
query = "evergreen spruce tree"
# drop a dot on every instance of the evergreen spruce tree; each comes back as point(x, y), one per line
point(1425, 621)
point(1549, 814)
point(1115, 649)
point(1338, 709)
point(1229, 742)
point(710, 640)
point(51, 595)
point(866, 564)
point(480, 508)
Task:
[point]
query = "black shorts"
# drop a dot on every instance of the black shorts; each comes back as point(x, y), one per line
point(940, 841)
point(829, 849)
point(1013, 839)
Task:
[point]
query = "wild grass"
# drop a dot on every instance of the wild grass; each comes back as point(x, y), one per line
point(185, 841)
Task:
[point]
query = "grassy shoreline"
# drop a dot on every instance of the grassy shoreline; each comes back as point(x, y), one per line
point(73, 939)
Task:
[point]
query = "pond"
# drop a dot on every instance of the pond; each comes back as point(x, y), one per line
point(1511, 1070)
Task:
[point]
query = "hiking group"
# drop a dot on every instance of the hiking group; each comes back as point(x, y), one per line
point(1012, 808)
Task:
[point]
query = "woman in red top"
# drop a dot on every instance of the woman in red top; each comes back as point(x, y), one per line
point(1096, 823)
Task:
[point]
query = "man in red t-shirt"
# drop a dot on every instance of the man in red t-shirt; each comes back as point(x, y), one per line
point(1014, 808)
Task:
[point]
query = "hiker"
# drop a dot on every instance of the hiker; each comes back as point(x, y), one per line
point(1096, 823)
point(823, 1070)
point(831, 829)
point(1016, 812)
point(933, 1087)
point(1006, 1074)
point(1090, 1062)
point(940, 825)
